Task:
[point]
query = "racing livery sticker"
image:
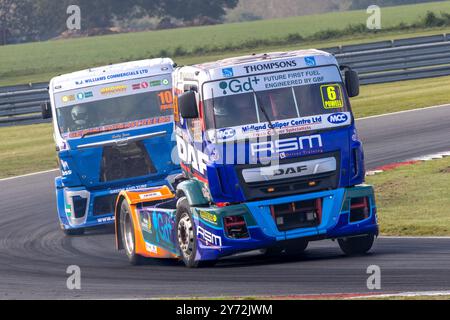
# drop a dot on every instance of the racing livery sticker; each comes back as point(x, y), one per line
point(332, 96)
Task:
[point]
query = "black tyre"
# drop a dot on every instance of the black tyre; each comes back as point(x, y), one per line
point(357, 245)
point(186, 236)
point(74, 232)
point(291, 249)
point(272, 251)
point(128, 235)
point(296, 248)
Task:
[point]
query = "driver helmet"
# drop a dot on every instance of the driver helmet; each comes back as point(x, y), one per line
point(80, 115)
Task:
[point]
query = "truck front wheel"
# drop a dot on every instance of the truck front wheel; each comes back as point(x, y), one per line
point(128, 235)
point(357, 245)
point(187, 242)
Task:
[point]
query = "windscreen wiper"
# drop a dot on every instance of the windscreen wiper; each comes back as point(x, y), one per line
point(261, 107)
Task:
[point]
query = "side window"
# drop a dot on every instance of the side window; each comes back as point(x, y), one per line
point(190, 87)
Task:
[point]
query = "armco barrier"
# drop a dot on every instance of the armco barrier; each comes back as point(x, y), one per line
point(376, 62)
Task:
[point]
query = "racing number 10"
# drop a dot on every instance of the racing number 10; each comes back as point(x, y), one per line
point(165, 100)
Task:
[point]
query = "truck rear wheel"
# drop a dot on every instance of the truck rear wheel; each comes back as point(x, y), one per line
point(128, 235)
point(357, 245)
point(186, 237)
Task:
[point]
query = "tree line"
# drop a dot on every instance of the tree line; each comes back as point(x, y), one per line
point(34, 20)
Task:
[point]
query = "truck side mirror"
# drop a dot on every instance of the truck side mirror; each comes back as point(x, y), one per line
point(352, 83)
point(46, 110)
point(187, 103)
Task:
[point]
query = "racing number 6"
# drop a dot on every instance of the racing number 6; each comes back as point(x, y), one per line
point(332, 95)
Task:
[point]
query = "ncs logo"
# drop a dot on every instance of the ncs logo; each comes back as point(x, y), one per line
point(338, 118)
point(239, 86)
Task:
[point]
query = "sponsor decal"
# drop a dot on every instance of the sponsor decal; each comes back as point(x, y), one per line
point(155, 83)
point(332, 96)
point(114, 76)
point(113, 90)
point(105, 220)
point(226, 134)
point(68, 210)
point(208, 217)
point(148, 196)
point(287, 145)
point(146, 222)
point(310, 61)
point(151, 248)
point(239, 86)
point(70, 98)
point(209, 238)
point(120, 126)
point(338, 118)
point(271, 66)
point(84, 95)
point(189, 155)
point(228, 72)
point(138, 86)
point(65, 168)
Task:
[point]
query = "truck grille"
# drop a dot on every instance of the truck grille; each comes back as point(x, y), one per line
point(293, 185)
point(125, 162)
point(297, 215)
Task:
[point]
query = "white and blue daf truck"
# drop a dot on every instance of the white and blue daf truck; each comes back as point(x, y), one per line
point(113, 129)
point(271, 156)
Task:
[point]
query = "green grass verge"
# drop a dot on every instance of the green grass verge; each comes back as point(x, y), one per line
point(34, 62)
point(26, 149)
point(400, 96)
point(413, 200)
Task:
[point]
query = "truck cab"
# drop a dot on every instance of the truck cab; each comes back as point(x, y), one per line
point(271, 155)
point(113, 129)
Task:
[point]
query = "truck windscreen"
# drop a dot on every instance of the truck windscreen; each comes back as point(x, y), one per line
point(284, 96)
point(113, 107)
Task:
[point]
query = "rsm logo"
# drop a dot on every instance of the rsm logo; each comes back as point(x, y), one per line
point(338, 118)
point(239, 86)
point(287, 145)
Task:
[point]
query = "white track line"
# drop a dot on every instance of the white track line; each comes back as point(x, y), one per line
point(28, 175)
point(405, 294)
point(404, 111)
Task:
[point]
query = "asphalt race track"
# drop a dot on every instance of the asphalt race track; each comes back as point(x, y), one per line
point(34, 254)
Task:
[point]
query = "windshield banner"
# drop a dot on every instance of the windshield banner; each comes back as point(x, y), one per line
point(112, 90)
point(284, 127)
point(271, 81)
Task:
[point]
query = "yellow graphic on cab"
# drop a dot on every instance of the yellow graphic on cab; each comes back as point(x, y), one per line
point(332, 96)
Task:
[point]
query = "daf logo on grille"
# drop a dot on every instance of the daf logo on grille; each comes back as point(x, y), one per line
point(289, 171)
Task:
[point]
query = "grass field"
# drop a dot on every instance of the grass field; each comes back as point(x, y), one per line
point(413, 200)
point(26, 149)
point(40, 61)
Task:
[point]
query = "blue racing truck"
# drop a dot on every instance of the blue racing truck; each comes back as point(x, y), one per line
point(271, 160)
point(113, 129)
